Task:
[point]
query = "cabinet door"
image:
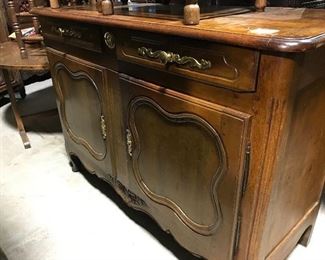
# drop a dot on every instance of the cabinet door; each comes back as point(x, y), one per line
point(186, 162)
point(82, 99)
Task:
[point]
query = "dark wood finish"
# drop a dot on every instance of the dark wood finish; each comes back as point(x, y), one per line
point(233, 170)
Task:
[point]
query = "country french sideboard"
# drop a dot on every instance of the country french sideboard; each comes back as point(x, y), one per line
point(217, 131)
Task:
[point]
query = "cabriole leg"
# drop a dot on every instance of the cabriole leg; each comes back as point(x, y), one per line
point(305, 238)
point(74, 163)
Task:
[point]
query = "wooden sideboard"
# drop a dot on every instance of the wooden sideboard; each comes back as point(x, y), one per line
point(217, 131)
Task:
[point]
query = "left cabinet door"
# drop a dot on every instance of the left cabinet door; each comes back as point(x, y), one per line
point(82, 90)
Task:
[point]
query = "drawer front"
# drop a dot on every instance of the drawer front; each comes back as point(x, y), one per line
point(212, 63)
point(74, 34)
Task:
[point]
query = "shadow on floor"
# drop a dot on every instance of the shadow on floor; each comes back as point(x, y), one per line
point(139, 217)
point(38, 111)
point(142, 219)
point(2, 255)
point(3, 101)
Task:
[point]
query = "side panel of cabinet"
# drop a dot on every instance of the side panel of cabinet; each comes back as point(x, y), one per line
point(185, 160)
point(82, 98)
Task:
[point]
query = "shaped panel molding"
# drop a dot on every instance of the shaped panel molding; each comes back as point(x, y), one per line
point(81, 109)
point(171, 165)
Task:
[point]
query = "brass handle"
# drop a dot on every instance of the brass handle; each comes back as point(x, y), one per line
point(109, 40)
point(61, 31)
point(129, 142)
point(170, 57)
point(67, 32)
point(103, 127)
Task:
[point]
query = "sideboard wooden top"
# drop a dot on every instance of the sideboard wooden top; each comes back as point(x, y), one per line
point(278, 29)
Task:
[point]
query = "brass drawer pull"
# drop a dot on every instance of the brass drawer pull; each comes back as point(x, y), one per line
point(103, 127)
point(129, 142)
point(66, 32)
point(170, 57)
point(109, 40)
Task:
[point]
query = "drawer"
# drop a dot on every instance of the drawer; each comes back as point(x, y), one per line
point(74, 34)
point(212, 63)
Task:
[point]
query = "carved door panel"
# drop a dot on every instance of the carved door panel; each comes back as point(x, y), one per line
point(186, 162)
point(81, 89)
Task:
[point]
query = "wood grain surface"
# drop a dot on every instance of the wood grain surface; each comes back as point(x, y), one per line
point(278, 29)
point(10, 57)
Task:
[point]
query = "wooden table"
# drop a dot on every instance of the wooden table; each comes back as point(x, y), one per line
point(10, 60)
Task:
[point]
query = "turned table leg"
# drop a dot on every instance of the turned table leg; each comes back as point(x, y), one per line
point(16, 27)
point(34, 18)
point(22, 91)
point(19, 121)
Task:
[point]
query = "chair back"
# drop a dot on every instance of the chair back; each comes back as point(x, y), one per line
point(3, 24)
point(15, 18)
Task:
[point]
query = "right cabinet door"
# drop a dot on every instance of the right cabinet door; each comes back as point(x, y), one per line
point(186, 162)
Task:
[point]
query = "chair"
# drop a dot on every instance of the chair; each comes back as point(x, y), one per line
point(16, 80)
point(18, 55)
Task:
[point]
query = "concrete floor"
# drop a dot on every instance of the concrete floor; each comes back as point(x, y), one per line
point(47, 212)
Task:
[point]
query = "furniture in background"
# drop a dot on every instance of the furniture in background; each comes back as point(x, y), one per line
point(15, 77)
point(214, 130)
point(18, 55)
point(189, 10)
point(299, 3)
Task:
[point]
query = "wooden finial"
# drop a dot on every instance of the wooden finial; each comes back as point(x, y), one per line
point(54, 4)
point(260, 5)
point(107, 7)
point(191, 12)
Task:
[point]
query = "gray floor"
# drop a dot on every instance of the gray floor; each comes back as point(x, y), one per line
point(47, 212)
